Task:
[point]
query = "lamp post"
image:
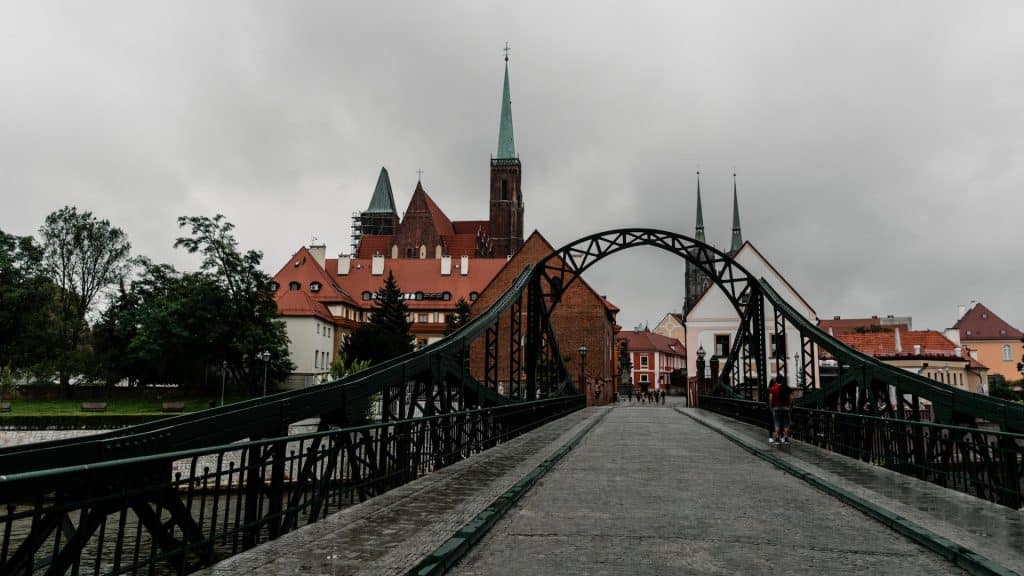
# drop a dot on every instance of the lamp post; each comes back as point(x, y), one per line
point(583, 369)
point(798, 370)
point(223, 377)
point(265, 358)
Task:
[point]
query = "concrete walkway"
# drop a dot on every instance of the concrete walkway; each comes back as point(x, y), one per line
point(389, 534)
point(651, 491)
point(994, 531)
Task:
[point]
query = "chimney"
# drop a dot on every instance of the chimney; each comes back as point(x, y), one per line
point(377, 265)
point(446, 265)
point(464, 265)
point(344, 264)
point(319, 253)
point(959, 352)
point(835, 317)
point(973, 354)
point(917, 349)
point(899, 345)
point(953, 334)
point(960, 311)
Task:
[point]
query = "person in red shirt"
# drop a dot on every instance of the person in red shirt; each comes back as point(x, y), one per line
point(780, 400)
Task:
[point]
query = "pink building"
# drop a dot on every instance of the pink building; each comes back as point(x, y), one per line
point(654, 357)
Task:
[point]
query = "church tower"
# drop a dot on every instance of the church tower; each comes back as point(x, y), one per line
point(737, 235)
point(506, 215)
point(697, 282)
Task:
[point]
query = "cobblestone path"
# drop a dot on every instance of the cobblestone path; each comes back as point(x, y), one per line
point(650, 491)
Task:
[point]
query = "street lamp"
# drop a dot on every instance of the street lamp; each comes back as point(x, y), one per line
point(223, 377)
point(798, 370)
point(265, 358)
point(583, 372)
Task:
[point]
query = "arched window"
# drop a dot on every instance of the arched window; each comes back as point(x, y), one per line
point(1007, 353)
point(294, 286)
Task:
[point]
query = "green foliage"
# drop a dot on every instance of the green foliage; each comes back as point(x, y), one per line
point(340, 367)
point(998, 387)
point(386, 335)
point(458, 319)
point(83, 256)
point(28, 307)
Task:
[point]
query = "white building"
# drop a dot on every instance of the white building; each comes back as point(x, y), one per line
point(712, 322)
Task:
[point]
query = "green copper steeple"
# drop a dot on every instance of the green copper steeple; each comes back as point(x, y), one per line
point(699, 235)
point(737, 236)
point(383, 201)
point(506, 143)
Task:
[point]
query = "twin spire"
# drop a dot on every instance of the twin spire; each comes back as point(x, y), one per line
point(737, 234)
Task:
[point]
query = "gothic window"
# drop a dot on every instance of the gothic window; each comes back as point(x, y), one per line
point(504, 189)
point(778, 346)
point(410, 252)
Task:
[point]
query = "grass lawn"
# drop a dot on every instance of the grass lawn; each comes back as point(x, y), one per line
point(121, 406)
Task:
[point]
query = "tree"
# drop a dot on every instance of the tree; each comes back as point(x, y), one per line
point(386, 335)
point(26, 303)
point(83, 256)
point(459, 318)
point(246, 323)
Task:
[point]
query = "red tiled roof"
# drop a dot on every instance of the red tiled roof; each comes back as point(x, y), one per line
point(650, 341)
point(371, 244)
point(299, 303)
point(414, 275)
point(846, 325)
point(460, 245)
point(471, 226)
point(980, 323)
point(305, 270)
point(883, 344)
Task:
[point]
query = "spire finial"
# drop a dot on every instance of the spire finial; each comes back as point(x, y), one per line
point(737, 235)
point(699, 231)
point(506, 50)
point(419, 175)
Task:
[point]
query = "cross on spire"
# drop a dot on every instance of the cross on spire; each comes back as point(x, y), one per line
point(419, 175)
point(506, 50)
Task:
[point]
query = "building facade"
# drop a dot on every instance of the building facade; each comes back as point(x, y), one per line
point(582, 317)
point(654, 357)
point(672, 326)
point(998, 344)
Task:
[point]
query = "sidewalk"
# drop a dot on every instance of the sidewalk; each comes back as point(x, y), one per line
point(989, 529)
point(389, 534)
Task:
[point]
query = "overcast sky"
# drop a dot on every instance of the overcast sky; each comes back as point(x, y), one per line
point(879, 145)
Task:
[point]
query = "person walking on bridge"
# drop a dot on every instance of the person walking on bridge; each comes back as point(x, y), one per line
point(780, 400)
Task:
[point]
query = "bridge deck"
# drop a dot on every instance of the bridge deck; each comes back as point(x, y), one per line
point(392, 532)
point(651, 491)
point(648, 491)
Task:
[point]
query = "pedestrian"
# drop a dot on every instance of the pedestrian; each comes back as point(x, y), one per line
point(780, 400)
point(662, 396)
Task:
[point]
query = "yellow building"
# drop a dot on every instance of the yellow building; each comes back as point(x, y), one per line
point(997, 344)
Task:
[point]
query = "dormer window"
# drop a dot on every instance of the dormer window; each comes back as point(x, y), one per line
point(314, 287)
point(446, 296)
point(367, 295)
point(473, 296)
point(274, 286)
point(294, 286)
point(419, 295)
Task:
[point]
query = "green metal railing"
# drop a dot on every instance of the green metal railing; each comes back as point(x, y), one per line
point(173, 513)
point(988, 464)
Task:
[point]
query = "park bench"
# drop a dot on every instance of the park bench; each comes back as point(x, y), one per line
point(172, 407)
point(5, 406)
point(94, 406)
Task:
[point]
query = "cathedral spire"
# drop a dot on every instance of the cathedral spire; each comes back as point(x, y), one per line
point(737, 235)
point(699, 233)
point(506, 143)
point(383, 201)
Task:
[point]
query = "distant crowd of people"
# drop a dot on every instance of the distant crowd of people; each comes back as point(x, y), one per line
point(655, 396)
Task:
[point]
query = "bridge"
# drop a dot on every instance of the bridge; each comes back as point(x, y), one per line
point(466, 468)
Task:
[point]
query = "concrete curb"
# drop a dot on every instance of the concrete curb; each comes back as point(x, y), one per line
point(969, 560)
point(452, 550)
